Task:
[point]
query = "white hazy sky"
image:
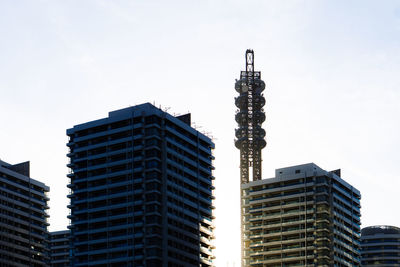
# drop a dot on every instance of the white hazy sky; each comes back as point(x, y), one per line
point(331, 68)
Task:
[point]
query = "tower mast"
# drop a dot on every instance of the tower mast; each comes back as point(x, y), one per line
point(250, 135)
point(250, 115)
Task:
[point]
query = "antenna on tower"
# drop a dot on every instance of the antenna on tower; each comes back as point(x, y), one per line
point(250, 135)
point(250, 116)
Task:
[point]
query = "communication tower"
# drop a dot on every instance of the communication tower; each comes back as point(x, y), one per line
point(250, 135)
point(249, 116)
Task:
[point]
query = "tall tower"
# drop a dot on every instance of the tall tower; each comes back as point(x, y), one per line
point(250, 135)
point(250, 116)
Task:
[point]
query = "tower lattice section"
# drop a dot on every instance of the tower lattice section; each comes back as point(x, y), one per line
point(250, 135)
point(250, 115)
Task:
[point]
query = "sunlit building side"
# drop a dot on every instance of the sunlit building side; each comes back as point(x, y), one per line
point(305, 216)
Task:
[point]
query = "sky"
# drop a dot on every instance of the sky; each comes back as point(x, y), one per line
point(332, 87)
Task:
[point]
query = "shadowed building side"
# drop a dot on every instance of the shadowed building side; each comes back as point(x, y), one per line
point(23, 217)
point(59, 248)
point(380, 246)
point(141, 191)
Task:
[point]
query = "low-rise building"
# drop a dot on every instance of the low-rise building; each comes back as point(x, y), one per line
point(59, 248)
point(380, 246)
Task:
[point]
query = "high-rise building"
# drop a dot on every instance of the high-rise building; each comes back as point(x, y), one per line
point(23, 217)
point(141, 191)
point(59, 248)
point(305, 216)
point(380, 246)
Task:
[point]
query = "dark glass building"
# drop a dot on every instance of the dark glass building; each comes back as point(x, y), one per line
point(141, 191)
point(380, 246)
point(59, 248)
point(23, 217)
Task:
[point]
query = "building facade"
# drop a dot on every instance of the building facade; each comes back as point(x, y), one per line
point(380, 246)
point(23, 217)
point(141, 191)
point(305, 216)
point(59, 248)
